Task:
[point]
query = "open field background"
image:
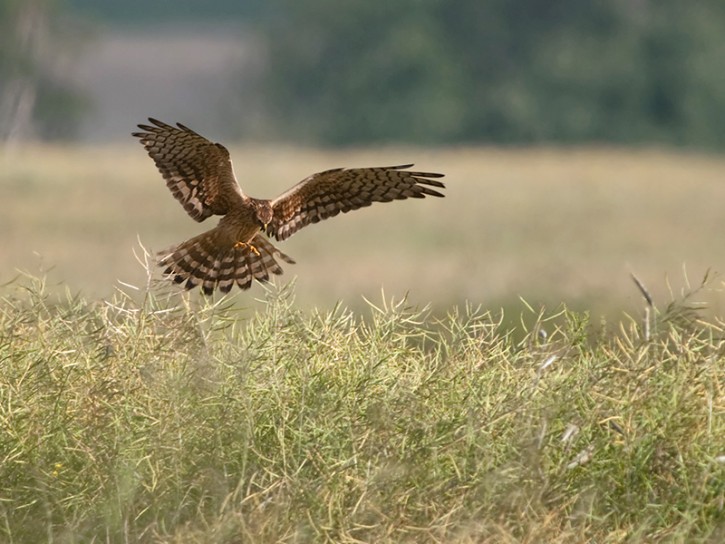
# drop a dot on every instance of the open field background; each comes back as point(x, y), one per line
point(549, 225)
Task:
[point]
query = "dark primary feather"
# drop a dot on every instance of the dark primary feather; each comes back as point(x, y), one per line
point(197, 171)
point(328, 193)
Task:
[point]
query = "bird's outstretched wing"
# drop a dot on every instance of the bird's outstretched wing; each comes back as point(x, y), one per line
point(328, 193)
point(197, 171)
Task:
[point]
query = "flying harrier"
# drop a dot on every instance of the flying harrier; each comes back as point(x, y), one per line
point(199, 174)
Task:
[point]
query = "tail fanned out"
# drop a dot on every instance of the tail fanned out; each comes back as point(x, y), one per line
point(204, 261)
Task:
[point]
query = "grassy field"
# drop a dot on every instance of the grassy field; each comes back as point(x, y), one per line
point(546, 225)
point(172, 420)
point(302, 413)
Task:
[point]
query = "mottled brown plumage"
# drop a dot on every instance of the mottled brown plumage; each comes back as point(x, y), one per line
point(199, 174)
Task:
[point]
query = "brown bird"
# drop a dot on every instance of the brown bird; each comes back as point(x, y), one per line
point(199, 174)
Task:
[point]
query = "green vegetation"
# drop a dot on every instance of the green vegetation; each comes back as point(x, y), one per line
point(420, 71)
point(167, 418)
point(435, 71)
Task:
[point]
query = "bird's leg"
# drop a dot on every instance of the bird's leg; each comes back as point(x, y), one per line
point(253, 249)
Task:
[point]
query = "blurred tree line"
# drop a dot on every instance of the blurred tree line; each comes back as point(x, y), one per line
point(419, 71)
point(436, 71)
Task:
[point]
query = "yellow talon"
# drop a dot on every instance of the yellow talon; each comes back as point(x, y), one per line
point(250, 246)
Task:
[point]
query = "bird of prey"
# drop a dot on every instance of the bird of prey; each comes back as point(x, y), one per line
point(199, 174)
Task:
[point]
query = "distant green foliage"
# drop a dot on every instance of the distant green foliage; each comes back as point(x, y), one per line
point(435, 71)
point(170, 420)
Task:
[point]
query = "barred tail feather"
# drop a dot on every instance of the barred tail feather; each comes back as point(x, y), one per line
point(208, 260)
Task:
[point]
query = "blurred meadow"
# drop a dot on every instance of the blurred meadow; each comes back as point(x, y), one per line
point(549, 225)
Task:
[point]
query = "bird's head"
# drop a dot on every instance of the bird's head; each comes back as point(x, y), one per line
point(263, 212)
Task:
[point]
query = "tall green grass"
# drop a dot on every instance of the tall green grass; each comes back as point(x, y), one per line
point(160, 417)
